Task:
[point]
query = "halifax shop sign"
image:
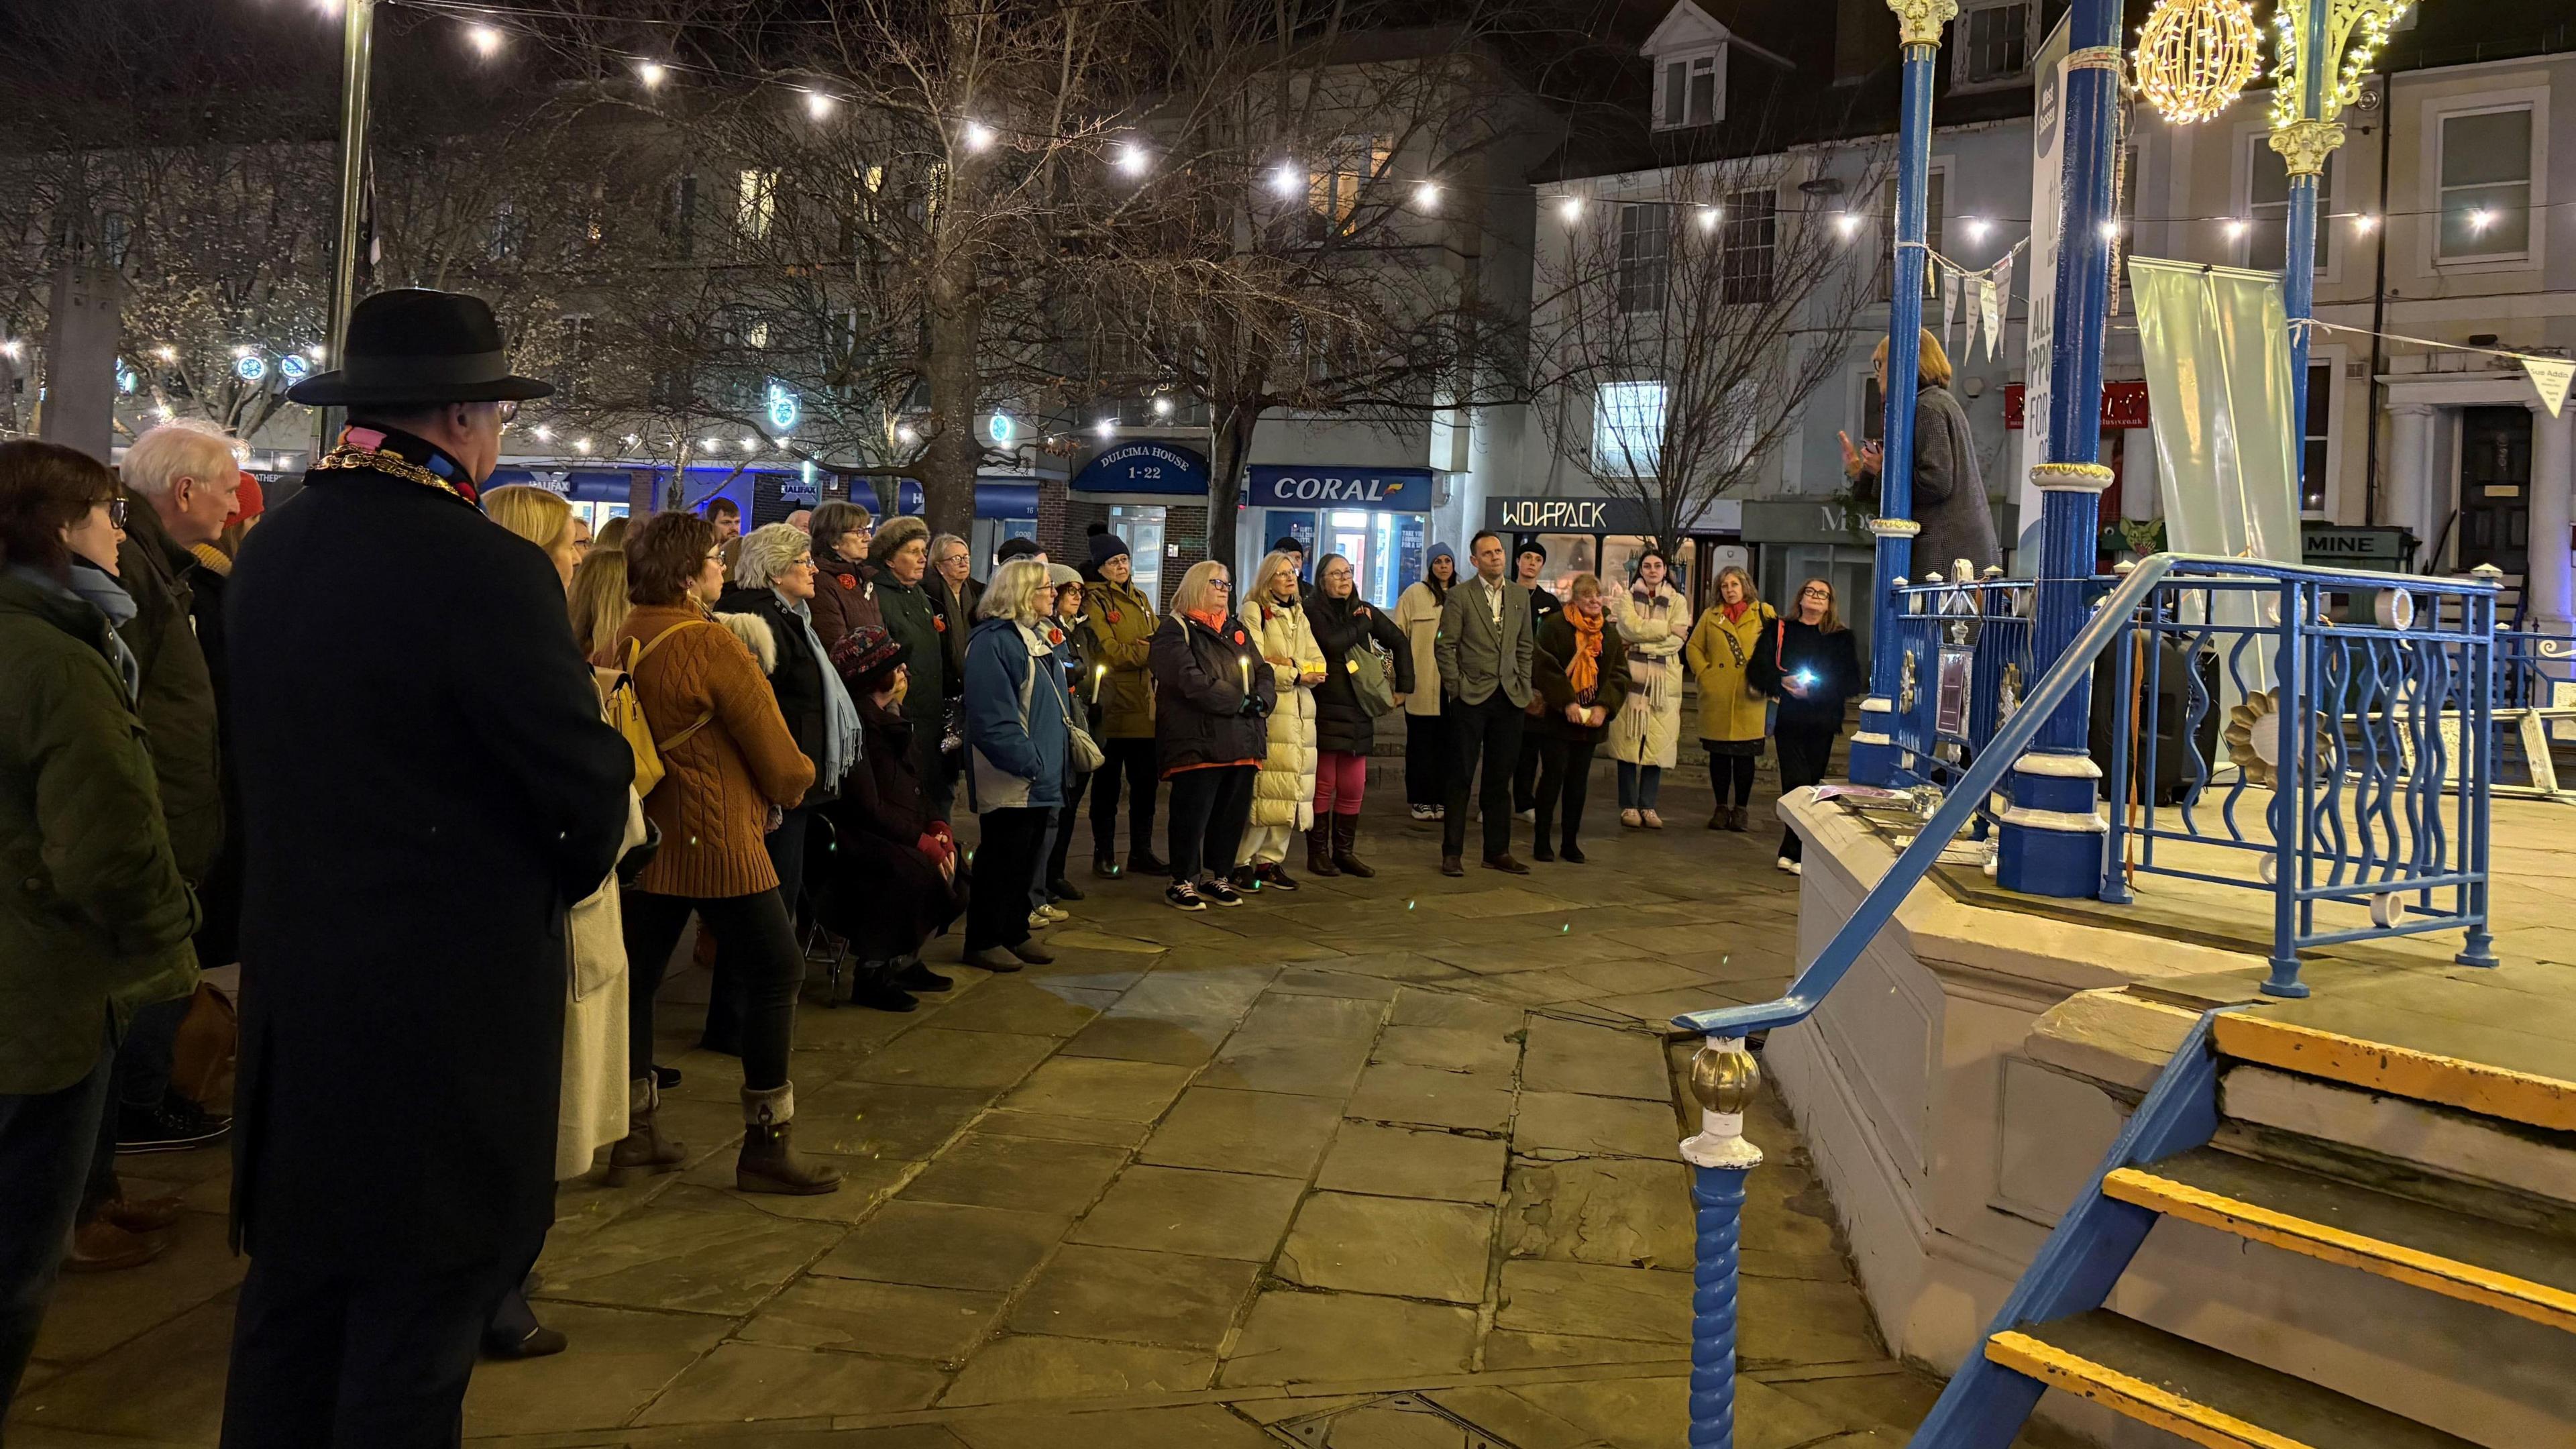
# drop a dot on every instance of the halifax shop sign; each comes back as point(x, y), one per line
point(1386, 490)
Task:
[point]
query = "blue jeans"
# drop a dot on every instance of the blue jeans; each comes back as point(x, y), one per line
point(45, 1147)
point(1639, 785)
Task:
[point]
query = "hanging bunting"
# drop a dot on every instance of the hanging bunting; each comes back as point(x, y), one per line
point(1990, 312)
point(1998, 299)
point(2551, 375)
point(1951, 283)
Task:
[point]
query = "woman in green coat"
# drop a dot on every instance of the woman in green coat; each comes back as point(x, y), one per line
point(97, 920)
point(1580, 670)
point(1118, 625)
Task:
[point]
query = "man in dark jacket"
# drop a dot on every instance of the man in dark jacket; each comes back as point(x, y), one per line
point(1529, 569)
point(428, 785)
point(954, 591)
point(901, 554)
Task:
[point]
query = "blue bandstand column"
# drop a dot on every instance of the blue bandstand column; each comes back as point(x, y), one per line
point(2051, 841)
point(1874, 758)
point(1723, 1078)
point(2304, 144)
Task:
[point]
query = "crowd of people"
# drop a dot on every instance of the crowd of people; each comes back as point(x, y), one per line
point(455, 841)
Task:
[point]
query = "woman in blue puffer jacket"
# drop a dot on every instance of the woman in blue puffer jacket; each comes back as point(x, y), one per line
point(1018, 731)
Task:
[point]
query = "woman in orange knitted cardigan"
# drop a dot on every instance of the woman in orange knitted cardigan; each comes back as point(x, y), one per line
point(730, 769)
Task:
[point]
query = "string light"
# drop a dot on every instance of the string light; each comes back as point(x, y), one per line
point(1107, 428)
point(2359, 28)
point(817, 104)
point(2111, 231)
point(1708, 218)
point(1162, 407)
point(1571, 209)
point(486, 39)
point(710, 444)
point(977, 136)
point(1847, 224)
point(545, 435)
point(2365, 222)
point(2481, 219)
point(166, 353)
point(317, 352)
point(2194, 57)
point(2236, 226)
point(1426, 196)
point(1288, 179)
point(581, 445)
point(751, 445)
point(1132, 159)
point(1978, 226)
point(630, 440)
point(12, 348)
point(905, 434)
point(652, 73)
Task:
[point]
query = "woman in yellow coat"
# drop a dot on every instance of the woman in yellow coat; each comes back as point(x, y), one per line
point(1733, 716)
point(1283, 794)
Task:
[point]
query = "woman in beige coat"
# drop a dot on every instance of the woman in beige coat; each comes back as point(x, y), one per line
point(1426, 739)
point(1283, 794)
point(1654, 622)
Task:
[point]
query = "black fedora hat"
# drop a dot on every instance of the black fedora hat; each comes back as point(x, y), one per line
point(419, 346)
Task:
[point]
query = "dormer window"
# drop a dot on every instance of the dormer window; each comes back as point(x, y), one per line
point(1691, 90)
point(1993, 41)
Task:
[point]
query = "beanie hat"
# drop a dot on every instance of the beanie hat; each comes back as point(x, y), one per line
point(1106, 546)
point(1061, 575)
point(1287, 543)
point(865, 656)
point(1533, 546)
point(1016, 548)
point(891, 538)
point(248, 502)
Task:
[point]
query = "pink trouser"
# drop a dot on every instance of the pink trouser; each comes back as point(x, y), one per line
point(1340, 780)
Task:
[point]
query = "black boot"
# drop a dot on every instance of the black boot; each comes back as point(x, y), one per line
point(1346, 839)
point(873, 986)
point(1319, 849)
point(643, 1151)
point(768, 1162)
point(1539, 848)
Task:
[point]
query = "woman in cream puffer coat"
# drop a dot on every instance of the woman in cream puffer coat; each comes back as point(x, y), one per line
point(1654, 622)
point(1283, 795)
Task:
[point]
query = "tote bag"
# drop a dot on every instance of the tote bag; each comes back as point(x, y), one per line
point(1368, 681)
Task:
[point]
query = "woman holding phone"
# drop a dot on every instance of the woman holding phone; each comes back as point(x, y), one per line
point(1805, 660)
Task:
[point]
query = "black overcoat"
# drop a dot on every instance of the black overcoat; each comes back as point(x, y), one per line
point(427, 784)
point(1342, 723)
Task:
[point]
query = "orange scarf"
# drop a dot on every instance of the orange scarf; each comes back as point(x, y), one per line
point(1213, 618)
point(1583, 671)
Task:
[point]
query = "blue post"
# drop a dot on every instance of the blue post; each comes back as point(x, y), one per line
point(2052, 836)
point(1723, 1079)
point(1875, 759)
point(2304, 145)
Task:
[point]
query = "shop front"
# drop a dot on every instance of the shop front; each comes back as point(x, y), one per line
point(1378, 518)
point(1152, 494)
point(1605, 536)
point(596, 494)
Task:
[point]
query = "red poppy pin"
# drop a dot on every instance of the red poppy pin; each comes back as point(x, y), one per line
point(1112, 615)
point(939, 622)
point(848, 581)
point(1238, 636)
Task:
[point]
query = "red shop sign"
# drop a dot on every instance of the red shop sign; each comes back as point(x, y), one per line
point(2124, 405)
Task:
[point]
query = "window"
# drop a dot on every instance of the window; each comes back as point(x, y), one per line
point(1333, 188)
point(1628, 429)
point(1645, 255)
point(2267, 205)
point(1692, 91)
point(1141, 526)
point(755, 202)
point(1935, 185)
point(680, 215)
point(1749, 233)
point(1994, 41)
point(572, 356)
point(2486, 197)
point(2312, 446)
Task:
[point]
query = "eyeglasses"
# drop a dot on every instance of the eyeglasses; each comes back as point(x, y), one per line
point(115, 511)
point(716, 554)
point(505, 411)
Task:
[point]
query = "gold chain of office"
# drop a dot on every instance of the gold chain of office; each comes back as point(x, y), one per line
point(382, 460)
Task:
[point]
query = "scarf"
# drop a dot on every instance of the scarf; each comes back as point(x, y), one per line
point(215, 560)
point(1735, 612)
point(1583, 671)
point(841, 744)
point(1213, 618)
point(102, 592)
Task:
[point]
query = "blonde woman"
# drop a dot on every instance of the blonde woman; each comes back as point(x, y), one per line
point(1283, 795)
point(1733, 715)
point(1019, 717)
point(1211, 693)
point(1654, 623)
point(599, 607)
point(542, 518)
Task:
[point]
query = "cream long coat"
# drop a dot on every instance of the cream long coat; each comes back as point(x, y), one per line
point(1417, 613)
point(1284, 793)
point(1649, 725)
point(591, 1112)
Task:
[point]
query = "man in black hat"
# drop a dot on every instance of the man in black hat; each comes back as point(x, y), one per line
point(1529, 568)
point(427, 784)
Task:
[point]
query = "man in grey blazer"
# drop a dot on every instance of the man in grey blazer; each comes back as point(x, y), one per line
point(1485, 646)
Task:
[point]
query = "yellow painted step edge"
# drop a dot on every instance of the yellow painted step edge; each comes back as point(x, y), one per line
point(2449, 1277)
point(2145, 1402)
point(2400, 1071)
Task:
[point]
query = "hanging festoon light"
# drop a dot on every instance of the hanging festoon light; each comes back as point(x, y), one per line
point(2195, 57)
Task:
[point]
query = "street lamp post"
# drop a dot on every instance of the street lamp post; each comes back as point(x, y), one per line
point(357, 47)
point(1873, 753)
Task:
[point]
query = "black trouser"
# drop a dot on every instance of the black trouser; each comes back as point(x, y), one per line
point(997, 906)
point(725, 994)
point(1806, 752)
point(1490, 731)
point(378, 1360)
point(1525, 771)
point(1426, 759)
point(140, 1079)
point(1727, 770)
point(1209, 808)
point(1060, 833)
point(1564, 783)
point(1130, 761)
point(769, 970)
point(45, 1147)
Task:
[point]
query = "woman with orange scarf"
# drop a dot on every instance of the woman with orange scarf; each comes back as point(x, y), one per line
point(1581, 673)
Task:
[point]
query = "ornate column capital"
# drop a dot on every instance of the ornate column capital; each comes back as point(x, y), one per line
point(2071, 477)
point(2304, 145)
point(1919, 22)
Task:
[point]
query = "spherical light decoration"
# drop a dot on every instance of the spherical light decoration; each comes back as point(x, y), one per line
point(2195, 57)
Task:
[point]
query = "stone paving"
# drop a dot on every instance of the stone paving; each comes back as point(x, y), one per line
point(1378, 1165)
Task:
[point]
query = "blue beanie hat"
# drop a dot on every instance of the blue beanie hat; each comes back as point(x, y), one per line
point(1106, 546)
point(1438, 551)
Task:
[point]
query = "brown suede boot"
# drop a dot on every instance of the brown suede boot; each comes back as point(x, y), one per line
point(1319, 849)
point(643, 1151)
point(769, 1163)
point(1346, 834)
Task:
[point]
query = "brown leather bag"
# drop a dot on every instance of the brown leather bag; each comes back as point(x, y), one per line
point(202, 1059)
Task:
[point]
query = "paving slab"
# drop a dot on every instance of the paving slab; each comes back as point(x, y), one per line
point(945, 1245)
point(1022, 1173)
point(1454, 1008)
point(1450, 1048)
point(1409, 1248)
point(1101, 1087)
point(1414, 1162)
point(1595, 1301)
point(1049, 1127)
point(1631, 1212)
point(1197, 1426)
point(167, 1383)
point(1044, 1367)
point(1565, 1056)
point(1308, 1017)
point(1125, 1295)
point(1024, 1007)
point(744, 1381)
point(1295, 1337)
point(683, 1261)
point(890, 1320)
point(1179, 1210)
point(1149, 1039)
point(1595, 1126)
point(1271, 1133)
point(620, 1359)
point(878, 1119)
point(1328, 1068)
point(938, 1056)
point(1433, 1097)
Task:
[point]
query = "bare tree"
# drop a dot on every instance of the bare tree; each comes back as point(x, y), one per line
point(1684, 319)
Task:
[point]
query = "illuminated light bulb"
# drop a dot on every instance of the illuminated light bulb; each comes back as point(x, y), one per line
point(1162, 407)
point(817, 104)
point(1978, 226)
point(11, 348)
point(2236, 227)
point(168, 412)
point(545, 435)
point(486, 39)
point(581, 445)
point(710, 444)
point(1107, 428)
point(1846, 224)
point(652, 73)
point(630, 440)
point(1708, 218)
point(1132, 159)
point(166, 354)
point(241, 352)
point(1571, 208)
point(317, 352)
point(1288, 179)
point(2481, 219)
point(978, 136)
point(751, 445)
point(2110, 231)
point(782, 444)
point(1426, 196)
point(905, 434)
point(2365, 222)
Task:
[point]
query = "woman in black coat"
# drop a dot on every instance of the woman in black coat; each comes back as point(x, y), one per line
point(1806, 661)
point(1579, 670)
point(1212, 697)
point(896, 877)
point(1345, 730)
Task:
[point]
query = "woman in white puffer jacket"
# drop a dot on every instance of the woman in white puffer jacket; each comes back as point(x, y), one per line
point(1654, 622)
point(1283, 794)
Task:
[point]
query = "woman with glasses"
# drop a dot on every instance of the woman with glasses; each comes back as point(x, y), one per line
point(1806, 661)
point(1019, 735)
point(1344, 625)
point(1212, 703)
point(731, 770)
point(104, 927)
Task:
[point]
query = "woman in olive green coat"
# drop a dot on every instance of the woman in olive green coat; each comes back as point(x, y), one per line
point(1118, 627)
point(96, 920)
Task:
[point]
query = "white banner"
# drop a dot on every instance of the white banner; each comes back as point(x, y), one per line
point(1990, 311)
point(1951, 285)
point(2047, 158)
point(2551, 375)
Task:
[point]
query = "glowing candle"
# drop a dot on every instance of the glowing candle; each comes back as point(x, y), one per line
point(1246, 661)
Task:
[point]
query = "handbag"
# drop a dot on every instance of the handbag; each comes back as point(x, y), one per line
point(1084, 751)
point(1369, 682)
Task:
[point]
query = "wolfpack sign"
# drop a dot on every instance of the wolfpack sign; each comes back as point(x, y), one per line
point(1394, 490)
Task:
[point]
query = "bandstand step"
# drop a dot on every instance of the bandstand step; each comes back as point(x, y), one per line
point(2528, 1274)
point(2200, 1394)
point(2494, 1071)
